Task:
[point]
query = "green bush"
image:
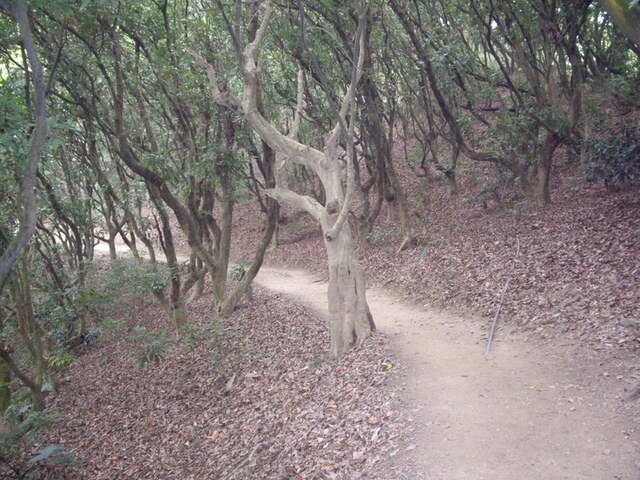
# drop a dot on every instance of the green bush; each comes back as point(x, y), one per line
point(194, 334)
point(238, 270)
point(22, 433)
point(615, 160)
point(149, 346)
point(135, 278)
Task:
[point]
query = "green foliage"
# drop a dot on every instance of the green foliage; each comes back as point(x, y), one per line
point(515, 134)
point(18, 435)
point(60, 359)
point(127, 275)
point(615, 160)
point(238, 270)
point(149, 346)
point(194, 334)
point(106, 324)
point(14, 140)
point(59, 309)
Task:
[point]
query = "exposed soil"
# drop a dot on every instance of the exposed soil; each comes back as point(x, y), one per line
point(527, 410)
point(546, 403)
point(574, 266)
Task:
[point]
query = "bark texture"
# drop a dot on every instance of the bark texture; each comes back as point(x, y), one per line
point(18, 10)
point(351, 321)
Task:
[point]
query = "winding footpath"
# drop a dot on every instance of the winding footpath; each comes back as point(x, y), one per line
point(526, 411)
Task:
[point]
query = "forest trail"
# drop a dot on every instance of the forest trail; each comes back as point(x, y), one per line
point(526, 411)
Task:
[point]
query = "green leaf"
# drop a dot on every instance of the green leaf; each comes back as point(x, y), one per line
point(46, 452)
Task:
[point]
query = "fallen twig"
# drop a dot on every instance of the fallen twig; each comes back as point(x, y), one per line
point(492, 332)
point(635, 394)
point(247, 464)
point(495, 319)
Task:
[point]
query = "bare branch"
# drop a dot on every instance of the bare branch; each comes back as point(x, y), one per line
point(349, 104)
point(252, 49)
point(235, 37)
point(297, 120)
point(297, 116)
point(222, 98)
point(248, 106)
point(304, 202)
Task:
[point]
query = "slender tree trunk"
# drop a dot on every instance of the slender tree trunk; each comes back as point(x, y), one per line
point(224, 249)
point(543, 187)
point(403, 207)
point(175, 305)
point(111, 241)
point(244, 287)
point(585, 141)
point(275, 240)
point(37, 397)
point(198, 288)
point(30, 332)
point(28, 201)
point(5, 388)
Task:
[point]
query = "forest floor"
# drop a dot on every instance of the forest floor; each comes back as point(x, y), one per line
point(259, 398)
point(527, 410)
point(255, 396)
point(549, 401)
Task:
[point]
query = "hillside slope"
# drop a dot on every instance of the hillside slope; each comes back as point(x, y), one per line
point(573, 267)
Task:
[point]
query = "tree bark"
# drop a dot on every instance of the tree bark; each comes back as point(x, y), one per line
point(5, 388)
point(350, 318)
point(18, 10)
point(543, 187)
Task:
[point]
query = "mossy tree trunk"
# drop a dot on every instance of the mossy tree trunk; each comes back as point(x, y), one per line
point(32, 336)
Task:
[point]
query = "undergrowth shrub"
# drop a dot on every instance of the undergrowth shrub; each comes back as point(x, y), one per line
point(21, 454)
point(149, 345)
point(196, 333)
point(131, 279)
point(615, 159)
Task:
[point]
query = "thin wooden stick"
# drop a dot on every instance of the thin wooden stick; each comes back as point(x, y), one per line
point(635, 393)
point(492, 332)
point(495, 320)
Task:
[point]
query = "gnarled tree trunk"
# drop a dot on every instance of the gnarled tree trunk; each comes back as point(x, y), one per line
point(350, 318)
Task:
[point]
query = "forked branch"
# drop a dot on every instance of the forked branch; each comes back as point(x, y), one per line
point(248, 105)
point(348, 106)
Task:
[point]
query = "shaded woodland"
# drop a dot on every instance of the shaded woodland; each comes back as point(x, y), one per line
point(204, 137)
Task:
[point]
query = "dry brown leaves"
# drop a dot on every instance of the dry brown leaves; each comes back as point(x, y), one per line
point(577, 275)
point(261, 400)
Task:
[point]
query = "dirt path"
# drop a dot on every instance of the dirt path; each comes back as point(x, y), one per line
point(523, 412)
